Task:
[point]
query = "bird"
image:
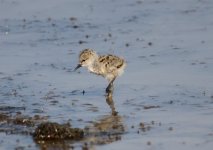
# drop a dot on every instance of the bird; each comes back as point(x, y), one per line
point(108, 66)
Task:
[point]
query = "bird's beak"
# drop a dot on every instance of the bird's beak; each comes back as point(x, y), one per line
point(78, 66)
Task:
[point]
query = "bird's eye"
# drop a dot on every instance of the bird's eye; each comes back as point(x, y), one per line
point(83, 60)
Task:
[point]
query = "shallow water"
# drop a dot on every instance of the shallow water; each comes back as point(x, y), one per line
point(164, 99)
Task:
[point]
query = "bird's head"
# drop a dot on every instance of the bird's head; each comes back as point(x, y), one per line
point(86, 58)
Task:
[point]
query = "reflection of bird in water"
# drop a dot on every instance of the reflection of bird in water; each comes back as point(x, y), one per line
point(106, 130)
point(110, 102)
point(108, 66)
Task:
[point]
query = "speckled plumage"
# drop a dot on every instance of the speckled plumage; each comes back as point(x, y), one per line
point(108, 66)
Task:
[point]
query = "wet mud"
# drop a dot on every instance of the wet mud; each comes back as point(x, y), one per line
point(46, 134)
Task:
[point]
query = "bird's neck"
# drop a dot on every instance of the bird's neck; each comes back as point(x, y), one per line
point(94, 67)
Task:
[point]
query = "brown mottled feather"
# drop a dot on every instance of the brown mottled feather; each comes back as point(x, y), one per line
point(111, 62)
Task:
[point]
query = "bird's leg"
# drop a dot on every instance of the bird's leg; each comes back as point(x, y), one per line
point(109, 88)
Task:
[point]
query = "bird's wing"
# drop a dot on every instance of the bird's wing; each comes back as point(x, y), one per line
point(111, 62)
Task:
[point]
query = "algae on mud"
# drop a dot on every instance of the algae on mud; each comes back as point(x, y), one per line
point(55, 131)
